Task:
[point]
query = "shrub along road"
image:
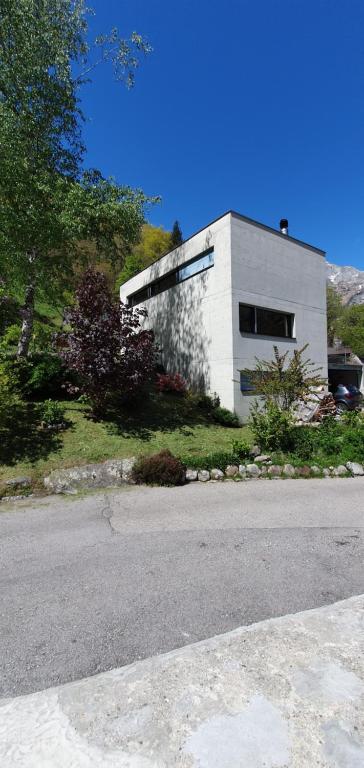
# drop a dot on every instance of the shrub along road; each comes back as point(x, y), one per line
point(98, 581)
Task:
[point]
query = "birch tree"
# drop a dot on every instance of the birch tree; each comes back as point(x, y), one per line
point(47, 203)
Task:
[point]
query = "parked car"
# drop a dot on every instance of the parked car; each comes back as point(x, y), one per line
point(347, 398)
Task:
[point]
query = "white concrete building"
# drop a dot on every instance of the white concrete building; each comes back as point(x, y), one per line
point(226, 296)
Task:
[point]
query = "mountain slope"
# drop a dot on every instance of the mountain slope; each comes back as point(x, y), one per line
point(348, 281)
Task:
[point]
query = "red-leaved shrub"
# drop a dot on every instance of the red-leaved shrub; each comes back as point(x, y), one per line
point(106, 344)
point(171, 382)
point(160, 469)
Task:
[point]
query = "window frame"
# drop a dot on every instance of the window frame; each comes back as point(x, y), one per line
point(173, 272)
point(290, 317)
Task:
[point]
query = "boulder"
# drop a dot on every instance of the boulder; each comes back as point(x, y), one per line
point(289, 470)
point(264, 470)
point(203, 475)
point(275, 470)
point(253, 470)
point(262, 458)
point(304, 471)
point(340, 471)
point(231, 470)
point(24, 481)
point(242, 470)
point(216, 474)
point(109, 473)
point(255, 451)
point(191, 475)
point(315, 470)
point(326, 472)
point(355, 468)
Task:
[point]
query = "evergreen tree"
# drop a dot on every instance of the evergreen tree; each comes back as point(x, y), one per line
point(176, 235)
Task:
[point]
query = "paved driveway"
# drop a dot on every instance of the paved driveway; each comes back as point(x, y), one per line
point(96, 582)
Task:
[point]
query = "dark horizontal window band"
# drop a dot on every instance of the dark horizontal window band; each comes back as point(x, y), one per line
point(261, 321)
point(195, 266)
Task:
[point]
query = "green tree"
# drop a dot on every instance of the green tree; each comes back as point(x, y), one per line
point(351, 328)
point(334, 312)
point(154, 242)
point(46, 203)
point(176, 236)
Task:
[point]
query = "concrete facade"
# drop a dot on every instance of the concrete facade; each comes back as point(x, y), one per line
point(196, 322)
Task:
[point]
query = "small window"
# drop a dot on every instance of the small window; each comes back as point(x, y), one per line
point(265, 322)
point(246, 386)
point(198, 265)
point(168, 281)
point(139, 297)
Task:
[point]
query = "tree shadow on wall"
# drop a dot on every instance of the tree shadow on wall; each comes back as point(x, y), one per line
point(181, 318)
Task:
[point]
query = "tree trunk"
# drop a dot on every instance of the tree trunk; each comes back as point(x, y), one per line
point(27, 311)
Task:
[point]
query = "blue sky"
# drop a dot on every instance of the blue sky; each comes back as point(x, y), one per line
point(255, 106)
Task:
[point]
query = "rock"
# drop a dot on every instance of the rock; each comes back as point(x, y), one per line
point(253, 470)
point(262, 458)
point(326, 472)
point(340, 471)
point(231, 470)
point(264, 471)
point(191, 475)
point(255, 451)
point(126, 469)
point(19, 482)
point(203, 475)
point(304, 471)
point(289, 470)
point(242, 470)
point(109, 473)
point(315, 470)
point(355, 468)
point(275, 470)
point(216, 474)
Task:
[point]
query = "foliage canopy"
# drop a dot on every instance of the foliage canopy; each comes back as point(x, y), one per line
point(47, 202)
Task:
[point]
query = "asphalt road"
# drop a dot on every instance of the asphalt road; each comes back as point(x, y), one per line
point(95, 582)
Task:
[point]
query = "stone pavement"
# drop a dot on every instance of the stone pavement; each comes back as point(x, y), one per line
point(283, 693)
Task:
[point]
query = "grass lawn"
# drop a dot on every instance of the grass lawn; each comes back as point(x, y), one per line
point(160, 421)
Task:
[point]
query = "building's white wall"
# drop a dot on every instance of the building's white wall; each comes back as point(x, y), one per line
point(196, 323)
point(192, 321)
point(274, 272)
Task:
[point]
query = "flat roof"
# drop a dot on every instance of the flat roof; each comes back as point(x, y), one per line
point(242, 218)
point(275, 232)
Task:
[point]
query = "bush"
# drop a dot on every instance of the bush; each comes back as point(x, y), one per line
point(160, 469)
point(107, 347)
point(10, 402)
point(225, 417)
point(303, 441)
point(171, 382)
point(217, 460)
point(51, 412)
point(284, 381)
point(9, 339)
point(39, 376)
point(241, 448)
point(206, 402)
point(272, 427)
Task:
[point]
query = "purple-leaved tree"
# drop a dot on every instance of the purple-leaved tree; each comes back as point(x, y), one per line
point(106, 345)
